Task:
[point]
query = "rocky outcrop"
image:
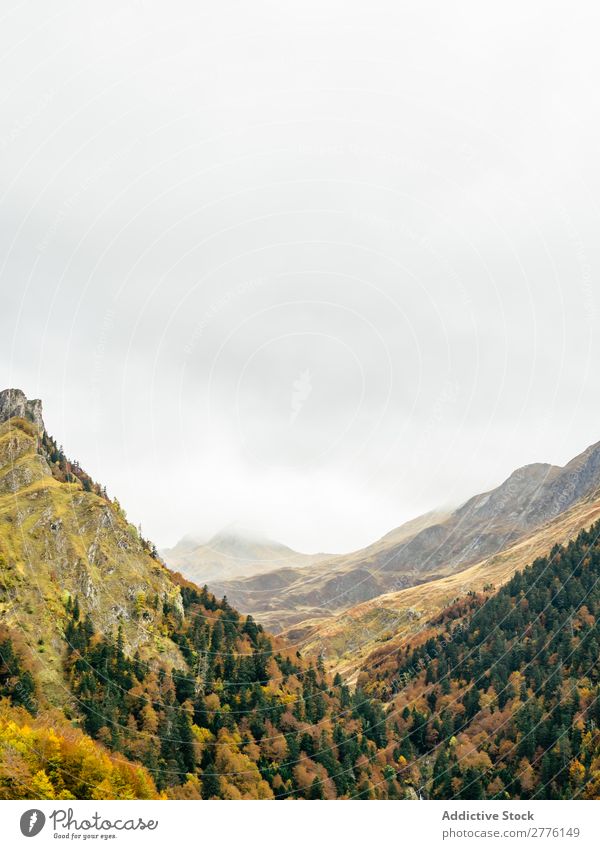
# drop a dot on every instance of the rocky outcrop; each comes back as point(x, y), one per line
point(59, 540)
point(14, 402)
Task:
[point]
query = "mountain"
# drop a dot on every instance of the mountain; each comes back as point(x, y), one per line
point(288, 595)
point(498, 696)
point(60, 536)
point(347, 639)
point(231, 554)
point(14, 403)
point(120, 679)
point(432, 547)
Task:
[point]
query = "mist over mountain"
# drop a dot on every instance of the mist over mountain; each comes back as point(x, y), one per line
point(234, 552)
point(432, 546)
point(143, 685)
point(299, 321)
point(296, 299)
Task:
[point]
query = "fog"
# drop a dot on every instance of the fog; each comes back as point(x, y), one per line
point(310, 267)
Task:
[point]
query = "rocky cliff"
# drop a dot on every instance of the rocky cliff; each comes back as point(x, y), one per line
point(14, 402)
point(58, 540)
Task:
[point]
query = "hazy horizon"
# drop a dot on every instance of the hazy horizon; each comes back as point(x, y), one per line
point(315, 269)
point(258, 533)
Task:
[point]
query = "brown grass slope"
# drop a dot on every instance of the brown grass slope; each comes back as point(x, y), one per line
point(383, 623)
point(289, 595)
point(429, 548)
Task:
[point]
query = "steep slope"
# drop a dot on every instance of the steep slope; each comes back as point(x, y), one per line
point(347, 640)
point(59, 539)
point(45, 757)
point(275, 594)
point(99, 639)
point(499, 695)
point(232, 553)
point(483, 527)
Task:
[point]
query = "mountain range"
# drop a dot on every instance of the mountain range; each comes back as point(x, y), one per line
point(475, 676)
point(233, 553)
point(428, 548)
point(120, 679)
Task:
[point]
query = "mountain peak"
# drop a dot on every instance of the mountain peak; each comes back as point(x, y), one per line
point(236, 534)
point(14, 402)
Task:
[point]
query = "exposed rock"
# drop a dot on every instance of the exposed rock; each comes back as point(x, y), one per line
point(14, 402)
point(58, 541)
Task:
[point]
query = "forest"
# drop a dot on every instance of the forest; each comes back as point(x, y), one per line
point(496, 698)
point(499, 698)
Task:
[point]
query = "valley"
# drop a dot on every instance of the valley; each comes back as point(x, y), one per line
point(341, 605)
point(474, 676)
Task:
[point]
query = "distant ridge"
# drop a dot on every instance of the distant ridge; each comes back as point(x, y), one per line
point(430, 547)
point(232, 553)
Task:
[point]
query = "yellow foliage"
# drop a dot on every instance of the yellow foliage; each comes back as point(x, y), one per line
point(240, 777)
point(41, 786)
point(47, 758)
point(577, 772)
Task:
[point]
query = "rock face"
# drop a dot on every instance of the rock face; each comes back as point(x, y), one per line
point(14, 402)
point(56, 539)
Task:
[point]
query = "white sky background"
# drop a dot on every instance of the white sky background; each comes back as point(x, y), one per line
point(314, 267)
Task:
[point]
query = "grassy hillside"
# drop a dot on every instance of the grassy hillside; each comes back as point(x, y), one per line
point(119, 678)
point(347, 640)
point(432, 547)
point(105, 641)
point(499, 697)
point(58, 540)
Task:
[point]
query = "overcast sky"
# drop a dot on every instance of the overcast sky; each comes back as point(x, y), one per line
point(314, 267)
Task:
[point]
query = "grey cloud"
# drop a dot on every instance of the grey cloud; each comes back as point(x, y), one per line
point(202, 204)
